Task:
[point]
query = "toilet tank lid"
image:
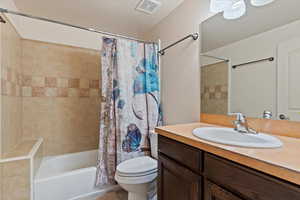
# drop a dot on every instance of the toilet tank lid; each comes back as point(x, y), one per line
point(137, 165)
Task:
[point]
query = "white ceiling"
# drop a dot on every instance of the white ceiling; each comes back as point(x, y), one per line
point(117, 16)
point(218, 32)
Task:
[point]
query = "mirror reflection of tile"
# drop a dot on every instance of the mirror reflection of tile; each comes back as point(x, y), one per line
point(214, 88)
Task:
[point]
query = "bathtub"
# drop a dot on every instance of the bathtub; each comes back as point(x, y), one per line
point(68, 177)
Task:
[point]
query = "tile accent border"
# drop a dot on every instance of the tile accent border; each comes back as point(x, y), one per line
point(215, 92)
point(11, 82)
point(18, 85)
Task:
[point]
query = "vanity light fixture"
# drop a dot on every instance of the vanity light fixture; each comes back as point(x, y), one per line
point(217, 6)
point(234, 9)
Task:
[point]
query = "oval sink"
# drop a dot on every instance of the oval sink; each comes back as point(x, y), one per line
point(229, 136)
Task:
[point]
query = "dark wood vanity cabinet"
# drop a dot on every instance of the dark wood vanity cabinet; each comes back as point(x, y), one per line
point(177, 182)
point(187, 173)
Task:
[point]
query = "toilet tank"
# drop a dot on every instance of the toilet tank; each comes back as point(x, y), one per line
point(154, 144)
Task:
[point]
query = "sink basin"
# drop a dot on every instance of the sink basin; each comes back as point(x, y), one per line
point(229, 136)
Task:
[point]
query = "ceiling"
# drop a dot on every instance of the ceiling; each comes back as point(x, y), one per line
point(116, 16)
point(218, 32)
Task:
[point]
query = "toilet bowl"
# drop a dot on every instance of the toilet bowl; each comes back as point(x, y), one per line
point(138, 175)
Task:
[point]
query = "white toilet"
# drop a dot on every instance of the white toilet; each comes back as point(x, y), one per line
point(138, 175)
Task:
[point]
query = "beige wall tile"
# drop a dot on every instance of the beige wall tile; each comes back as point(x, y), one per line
point(73, 92)
point(94, 92)
point(73, 83)
point(16, 168)
point(11, 122)
point(38, 118)
point(51, 82)
point(94, 83)
point(26, 80)
point(65, 61)
point(62, 82)
point(16, 179)
point(84, 92)
point(67, 124)
point(10, 50)
point(51, 92)
point(16, 188)
point(26, 91)
point(62, 92)
point(38, 91)
point(38, 81)
point(84, 83)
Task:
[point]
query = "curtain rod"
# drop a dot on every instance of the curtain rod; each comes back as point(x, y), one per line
point(215, 57)
point(195, 36)
point(2, 10)
point(255, 61)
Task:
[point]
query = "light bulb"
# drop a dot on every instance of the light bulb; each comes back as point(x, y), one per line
point(217, 6)
point(261, 2)
point(236, 10)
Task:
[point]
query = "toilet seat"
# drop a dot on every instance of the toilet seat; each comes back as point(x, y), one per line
point(135, 179)
point(136, 174)
point(137, 165)
point(137, 170)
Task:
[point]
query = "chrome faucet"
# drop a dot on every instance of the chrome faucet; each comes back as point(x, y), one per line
point(267, 114)
point(241, 124)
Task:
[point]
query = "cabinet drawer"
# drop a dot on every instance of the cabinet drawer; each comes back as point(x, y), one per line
point(246, 182)
point(184, 154)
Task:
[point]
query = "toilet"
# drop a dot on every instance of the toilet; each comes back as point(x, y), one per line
point(138, 175)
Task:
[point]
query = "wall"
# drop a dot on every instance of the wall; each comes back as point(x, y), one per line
point(180, 64)
point(60, 96)
point(254, 87)
point(49, 32)
point(214, 88)
point(11, 101)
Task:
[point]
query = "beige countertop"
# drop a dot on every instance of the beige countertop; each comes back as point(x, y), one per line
point(282, 162)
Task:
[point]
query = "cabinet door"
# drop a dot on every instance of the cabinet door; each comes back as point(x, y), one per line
point(214, 192)
point(176, 182)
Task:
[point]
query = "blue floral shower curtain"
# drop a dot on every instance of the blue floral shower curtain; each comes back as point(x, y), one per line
point(130, 107)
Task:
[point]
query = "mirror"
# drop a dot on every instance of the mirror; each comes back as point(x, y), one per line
point(252, 64)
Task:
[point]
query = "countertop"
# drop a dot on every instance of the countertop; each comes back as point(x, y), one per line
point(282, 162)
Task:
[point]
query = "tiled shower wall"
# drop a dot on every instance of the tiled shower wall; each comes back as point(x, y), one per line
point(214, 88)
point(11, 175)
point(50, 91)
point(11, 101)
point(47, 90)
point(60, 96)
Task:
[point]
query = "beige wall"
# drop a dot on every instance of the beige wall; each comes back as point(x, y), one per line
point(180, 65)
point(214, 88)
point(11, 101)
point(60, 96)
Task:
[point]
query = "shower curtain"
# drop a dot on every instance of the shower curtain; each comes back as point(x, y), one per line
point(130, 107)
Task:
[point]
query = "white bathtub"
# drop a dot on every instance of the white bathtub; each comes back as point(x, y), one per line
point(68, 177)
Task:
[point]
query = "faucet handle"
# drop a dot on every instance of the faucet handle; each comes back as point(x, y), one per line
point(239, 116)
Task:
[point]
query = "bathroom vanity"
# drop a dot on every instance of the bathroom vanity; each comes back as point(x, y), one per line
point(192, 169)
